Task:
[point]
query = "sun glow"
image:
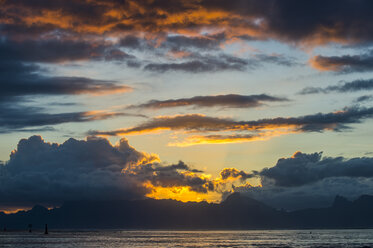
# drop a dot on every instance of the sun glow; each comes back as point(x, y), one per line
point(181, 193)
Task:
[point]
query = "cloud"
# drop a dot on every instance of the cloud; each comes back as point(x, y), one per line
point(190, 122)
point(93, 169)
point(176, 175)
point(277, 59)
point(345, 63)
point(356, 85)
point(315, 195)
point(364, 98)
point(229, 138)
point(62, 43)
point(290, 21)
point(19, 81)
point(254, 130)
point(25, 80)
point(309, 180)
point(17, 118)
point(304, 168)
point(59, 50)
point(234, 173)
point(207, 42)
point(229, 101)
point(131, 41)
point(27, 130)
point(49, 173)
point(174, 42)
point(21, 76)
point(202, 64)
point(199, 63)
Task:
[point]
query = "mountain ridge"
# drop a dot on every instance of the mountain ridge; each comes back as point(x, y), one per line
point(235, 212)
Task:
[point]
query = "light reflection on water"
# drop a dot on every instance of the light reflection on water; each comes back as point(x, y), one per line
point(125, 238)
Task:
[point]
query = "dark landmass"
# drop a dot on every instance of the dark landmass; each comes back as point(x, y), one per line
point(236, 212)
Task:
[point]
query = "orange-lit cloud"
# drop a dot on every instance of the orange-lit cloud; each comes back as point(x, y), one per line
point(270, 19)
point(214, 187)
point(178, 54)
point(101, 90)
point(344, 63)
point(323, 64)
point(235, 138)
point(245, 131)
point(181, 193)
point(181, 182)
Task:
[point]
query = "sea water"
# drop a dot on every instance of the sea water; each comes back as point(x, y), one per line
point(232, 238)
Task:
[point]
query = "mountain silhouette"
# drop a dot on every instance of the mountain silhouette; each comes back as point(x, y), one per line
point(236, 212)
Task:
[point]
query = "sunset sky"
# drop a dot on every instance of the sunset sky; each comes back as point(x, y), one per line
point(185, 99)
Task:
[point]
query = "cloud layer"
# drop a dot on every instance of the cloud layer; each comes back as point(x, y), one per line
point(229, 101)
point(303, 169)
point(21, 78)
point(253, 130)
point(345, 63)
point(353, 86)
point(309, 180)
point(41, 172)
point(290, 20)
point(93, 169)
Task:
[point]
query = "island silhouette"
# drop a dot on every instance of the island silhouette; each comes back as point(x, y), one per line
point(236, 212)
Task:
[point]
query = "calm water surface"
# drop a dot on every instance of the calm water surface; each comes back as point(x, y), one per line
point(287, 238)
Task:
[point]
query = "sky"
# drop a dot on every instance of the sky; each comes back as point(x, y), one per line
point(188, 100)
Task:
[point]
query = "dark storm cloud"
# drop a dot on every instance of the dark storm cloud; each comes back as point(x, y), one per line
point(41, 172)
point(334, 121)
point(92, 169)
point(356, 85)
point(345, 63)
point(304, 168)
point(310, 180)
point(314, 195)
point(230, 101)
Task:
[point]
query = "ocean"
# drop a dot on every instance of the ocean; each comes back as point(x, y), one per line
point(232, 238)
